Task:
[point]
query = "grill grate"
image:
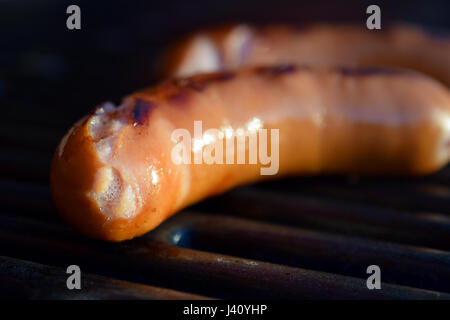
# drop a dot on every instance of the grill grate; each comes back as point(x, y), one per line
point(26, 280)
point(310, 238)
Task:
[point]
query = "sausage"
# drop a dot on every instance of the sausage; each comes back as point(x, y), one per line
point(114, 175)
point(230, 47)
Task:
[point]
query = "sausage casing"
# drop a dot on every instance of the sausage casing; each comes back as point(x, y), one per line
point(113, 176)
point(322, 45)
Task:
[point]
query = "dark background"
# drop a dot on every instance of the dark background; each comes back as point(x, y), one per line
point(46, 69)
point(50, 76)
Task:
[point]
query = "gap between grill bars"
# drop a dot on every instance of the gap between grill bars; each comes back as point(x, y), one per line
point(295, 238)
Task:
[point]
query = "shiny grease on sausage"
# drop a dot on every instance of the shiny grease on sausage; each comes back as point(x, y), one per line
point(113, 177)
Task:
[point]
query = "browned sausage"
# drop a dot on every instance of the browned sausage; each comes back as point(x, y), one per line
point(326, 45)
point(114, 176)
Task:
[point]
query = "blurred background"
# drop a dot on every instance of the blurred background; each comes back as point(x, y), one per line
point(46, 69)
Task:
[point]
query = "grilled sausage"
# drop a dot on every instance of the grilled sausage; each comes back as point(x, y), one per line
point(318, 45)
point(114, 176)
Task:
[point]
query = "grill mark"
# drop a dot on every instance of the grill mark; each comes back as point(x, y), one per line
point(201, 83)
point(279, 69)
point(221, 77)
point(142, 111)
point(197, 85)
point(371, 71)
point(180, 98)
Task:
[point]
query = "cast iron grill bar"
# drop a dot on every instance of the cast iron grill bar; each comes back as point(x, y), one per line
point(24, 164)
point(405, 265)
point(154, 261)
point(27, 198)
point(21, 279)
point(414, 195)
point(427, 229)
point(26, 137)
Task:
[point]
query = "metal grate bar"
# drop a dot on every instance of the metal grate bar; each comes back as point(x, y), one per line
point(153, 261)
point(24, 164)
point(406, 265)
point(21, 279)
point(335, 215)
point(27, 198)
point(408, 194)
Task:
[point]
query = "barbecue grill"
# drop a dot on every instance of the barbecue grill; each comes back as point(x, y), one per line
point(294, 238)
point(297, 238)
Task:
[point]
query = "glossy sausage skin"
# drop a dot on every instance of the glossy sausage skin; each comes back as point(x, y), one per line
point(113, 177)
point(323, 45)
